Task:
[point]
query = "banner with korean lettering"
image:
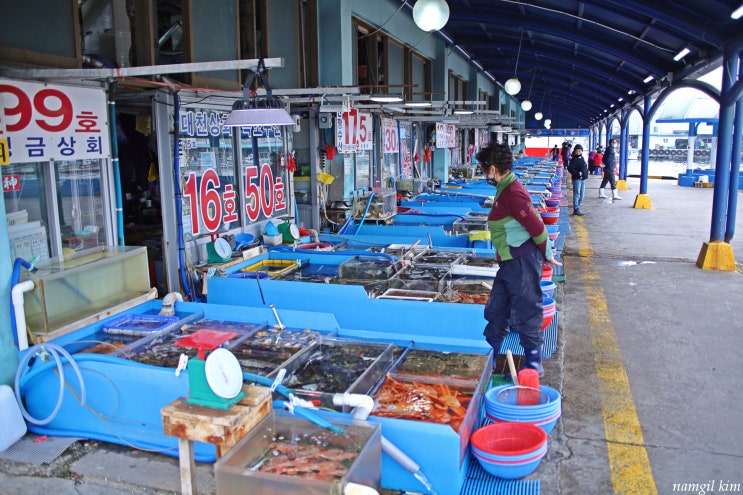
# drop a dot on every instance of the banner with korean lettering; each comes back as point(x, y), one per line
point(390, 138)
point(354, 131)
point(47, 121)
point(446, 135)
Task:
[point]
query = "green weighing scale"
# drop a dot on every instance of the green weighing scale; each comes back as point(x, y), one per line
point(215, 378)
point(218, 251)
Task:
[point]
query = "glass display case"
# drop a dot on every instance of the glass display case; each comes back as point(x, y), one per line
point(378, 204)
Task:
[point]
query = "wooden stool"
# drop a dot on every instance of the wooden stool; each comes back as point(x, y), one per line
point(221, 428)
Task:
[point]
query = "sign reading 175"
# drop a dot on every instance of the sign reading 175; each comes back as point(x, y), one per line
point(264, 196)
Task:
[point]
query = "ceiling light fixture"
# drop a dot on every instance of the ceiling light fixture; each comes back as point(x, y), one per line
point(252, 111)
point(463, 112)
point(526, 104)
point(684, 52)
point(737, 13)
point(417, 103)
point(648, 79)
point(431, 15)
point(382, 98)
point(513, 85)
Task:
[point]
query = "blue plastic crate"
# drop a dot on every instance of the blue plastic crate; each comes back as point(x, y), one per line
point(138, 324)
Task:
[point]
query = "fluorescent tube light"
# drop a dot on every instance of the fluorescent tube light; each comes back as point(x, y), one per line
point(684, 52)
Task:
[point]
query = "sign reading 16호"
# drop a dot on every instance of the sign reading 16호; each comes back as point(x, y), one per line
point(264, 194)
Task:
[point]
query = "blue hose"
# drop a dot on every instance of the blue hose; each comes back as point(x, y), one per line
point(363, 217)
point(280, 404)
point(178, 198)
point(54, 351)
point(309, 416)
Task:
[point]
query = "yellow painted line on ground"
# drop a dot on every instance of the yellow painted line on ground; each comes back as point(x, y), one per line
point(628, 458)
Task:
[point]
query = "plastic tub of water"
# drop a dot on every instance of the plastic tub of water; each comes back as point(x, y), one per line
point(14, 426)
point(547, 272)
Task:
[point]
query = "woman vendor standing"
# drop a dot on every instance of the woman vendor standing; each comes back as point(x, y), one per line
point(521, 245)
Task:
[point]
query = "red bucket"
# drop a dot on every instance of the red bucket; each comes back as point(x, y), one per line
point(546, 272)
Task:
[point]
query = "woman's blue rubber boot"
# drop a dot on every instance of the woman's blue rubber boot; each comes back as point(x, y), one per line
point(533, 359)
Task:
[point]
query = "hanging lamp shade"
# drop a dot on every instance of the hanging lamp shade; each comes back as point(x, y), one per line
point(538, 116)
point(512, 86)
point(254, 111)
point(431, 15)
point(548, 122)
point(526, 105)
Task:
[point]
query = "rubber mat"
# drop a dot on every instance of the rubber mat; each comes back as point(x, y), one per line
point(549, 346)
point(35, 449)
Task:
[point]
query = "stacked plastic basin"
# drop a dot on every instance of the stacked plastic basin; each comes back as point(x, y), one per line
point(548, 288)
point(509, 450)
point(502, 405)
point(549, 309)
point(550, 215)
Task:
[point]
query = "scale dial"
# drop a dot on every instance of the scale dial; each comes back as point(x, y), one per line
point(294, 231)
point(222, 248)
point(223, 373)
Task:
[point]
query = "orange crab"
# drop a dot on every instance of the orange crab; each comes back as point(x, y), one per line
point(436, 403)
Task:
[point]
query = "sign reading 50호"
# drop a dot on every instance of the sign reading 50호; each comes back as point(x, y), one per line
point(354, 131)
point(265, 195)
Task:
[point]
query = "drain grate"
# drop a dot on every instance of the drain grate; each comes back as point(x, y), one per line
point(549, 346)
point(41, 452)
point(479, 481)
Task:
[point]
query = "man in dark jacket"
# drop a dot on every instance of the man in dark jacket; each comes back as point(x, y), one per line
point(578, 169)
point(610, 165)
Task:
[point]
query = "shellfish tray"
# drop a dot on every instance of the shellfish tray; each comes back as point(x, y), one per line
point(335, 366)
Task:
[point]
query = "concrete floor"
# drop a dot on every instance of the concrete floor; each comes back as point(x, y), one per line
point(647, 364)
point(650, 372)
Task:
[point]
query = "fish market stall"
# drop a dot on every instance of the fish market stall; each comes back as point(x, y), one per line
point(127, 374)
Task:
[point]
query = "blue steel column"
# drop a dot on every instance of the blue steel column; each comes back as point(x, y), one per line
point(735, 162)
point(724, 145)
point(645, 146)
point(624, 140)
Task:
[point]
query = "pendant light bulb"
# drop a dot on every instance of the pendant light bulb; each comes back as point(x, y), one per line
point(512, 86)
point(431, 15)
point(526, 105)
point(538, 116)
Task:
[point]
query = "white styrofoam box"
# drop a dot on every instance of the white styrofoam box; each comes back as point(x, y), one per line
point(11, 419)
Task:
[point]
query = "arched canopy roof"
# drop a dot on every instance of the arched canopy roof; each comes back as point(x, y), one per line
point(589, 55)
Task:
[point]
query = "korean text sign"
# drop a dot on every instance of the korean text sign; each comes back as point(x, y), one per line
point(53, 122)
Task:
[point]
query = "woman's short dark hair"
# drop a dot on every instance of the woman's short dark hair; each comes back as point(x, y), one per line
point(496, 155)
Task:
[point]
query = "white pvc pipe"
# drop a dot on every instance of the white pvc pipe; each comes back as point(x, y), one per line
point(20, 316)
point(168, 304)
point(315, 235)
point(363, 404)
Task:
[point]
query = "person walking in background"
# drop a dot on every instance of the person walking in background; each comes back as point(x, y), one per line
point(555, 154)
point(598, 159)
point(521, 245)
point(591, 166)
point(579, 173)
point(566, 153)
point(610, 170)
